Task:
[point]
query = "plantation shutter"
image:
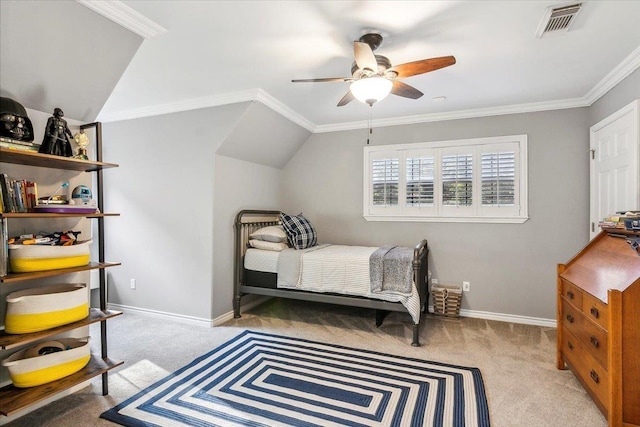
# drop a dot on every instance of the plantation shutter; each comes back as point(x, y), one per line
point(385, 180)
point(498, 178)
point(457, 179)
point(420, 180)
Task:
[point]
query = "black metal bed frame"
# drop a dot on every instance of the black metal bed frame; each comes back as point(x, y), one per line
point(248, 221)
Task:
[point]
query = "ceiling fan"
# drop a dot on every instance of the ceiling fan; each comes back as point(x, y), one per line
point(373, 77)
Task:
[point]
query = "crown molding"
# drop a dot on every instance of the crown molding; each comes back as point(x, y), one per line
point(125, 16)
point(252, 95)
point(277, 106)
point(456, 115)
point(176, 107)
point(619, 73)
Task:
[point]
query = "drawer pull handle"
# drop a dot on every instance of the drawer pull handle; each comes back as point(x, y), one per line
point(570, 294)
point(570, 318)
point(569, 345)
point(595, 342)
point(594, 376)
point(594, 312)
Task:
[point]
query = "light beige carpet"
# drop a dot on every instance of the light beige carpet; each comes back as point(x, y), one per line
point(517, 361)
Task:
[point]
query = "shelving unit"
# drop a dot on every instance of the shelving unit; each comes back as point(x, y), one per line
point(13, 399)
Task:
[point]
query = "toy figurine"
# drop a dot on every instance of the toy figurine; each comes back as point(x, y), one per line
point(57, 136)
point(82, 140)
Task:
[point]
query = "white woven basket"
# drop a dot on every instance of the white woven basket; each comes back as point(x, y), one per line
point(37, 309)
point(28, 258)
point(33, 371)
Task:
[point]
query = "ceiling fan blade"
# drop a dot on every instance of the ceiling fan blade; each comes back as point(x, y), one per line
point(346, 99)
point(364, 56)
point(403, 89)
point(423, 66)
point(327, 79)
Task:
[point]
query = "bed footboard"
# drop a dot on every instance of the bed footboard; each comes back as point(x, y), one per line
point(248, 221)
point(420, 277)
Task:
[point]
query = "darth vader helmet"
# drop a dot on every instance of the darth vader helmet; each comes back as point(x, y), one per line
point(14, 122)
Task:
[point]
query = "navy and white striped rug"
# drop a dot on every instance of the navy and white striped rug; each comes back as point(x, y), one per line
point(264, 380)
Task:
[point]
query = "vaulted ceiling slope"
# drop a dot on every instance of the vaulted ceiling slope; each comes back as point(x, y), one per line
point(61, 54)
point(264, 137)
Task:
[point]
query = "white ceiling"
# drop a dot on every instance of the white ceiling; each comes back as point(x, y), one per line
point(216, 52)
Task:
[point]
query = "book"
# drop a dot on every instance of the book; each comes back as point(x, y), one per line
point(32, 195)
point(5, 140)
point(6, 196)
point(18, 200)
point(18, 145)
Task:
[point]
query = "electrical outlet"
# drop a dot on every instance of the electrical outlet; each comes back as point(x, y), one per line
point(133, 284)
point(466, 286)
point(434, 281)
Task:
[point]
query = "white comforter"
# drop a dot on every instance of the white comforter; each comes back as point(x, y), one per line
point(337, 269)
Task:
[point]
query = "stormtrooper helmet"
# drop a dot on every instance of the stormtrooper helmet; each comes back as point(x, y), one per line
point(14, 122)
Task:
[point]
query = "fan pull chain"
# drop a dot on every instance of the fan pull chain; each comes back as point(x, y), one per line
point(370, 128)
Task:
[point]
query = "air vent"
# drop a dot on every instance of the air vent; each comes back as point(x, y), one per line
point(558, 19)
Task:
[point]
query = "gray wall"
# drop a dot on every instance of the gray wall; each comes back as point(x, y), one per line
point(511, 267)
point(622, 94)
point(163, 189)
point(178, 200)
point(238, 185)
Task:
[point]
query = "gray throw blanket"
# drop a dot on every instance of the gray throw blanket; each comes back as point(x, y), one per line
point(391, 270)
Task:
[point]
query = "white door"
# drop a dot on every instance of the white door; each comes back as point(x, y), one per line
point(615, 147)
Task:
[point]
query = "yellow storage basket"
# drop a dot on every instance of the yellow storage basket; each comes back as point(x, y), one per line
point(28, 258)
point(43, 367)
point(38, 309)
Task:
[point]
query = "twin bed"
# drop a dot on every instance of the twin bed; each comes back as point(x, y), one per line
point(335, 274)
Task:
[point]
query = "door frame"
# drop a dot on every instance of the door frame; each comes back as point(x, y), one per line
point(634, 108)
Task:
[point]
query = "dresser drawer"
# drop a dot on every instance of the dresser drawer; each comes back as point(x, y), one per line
point(572, 349)
point(595, 310)
point(594, 339)
point(571, 318)
point(592, 375)
point(572, 293)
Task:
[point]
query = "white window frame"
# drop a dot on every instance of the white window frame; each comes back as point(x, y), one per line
point(516, 214)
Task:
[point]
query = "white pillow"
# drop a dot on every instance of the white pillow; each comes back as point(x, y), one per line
point(267, 246)
point(273, 233)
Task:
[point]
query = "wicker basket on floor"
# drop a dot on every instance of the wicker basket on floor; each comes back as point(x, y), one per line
point(446, 300)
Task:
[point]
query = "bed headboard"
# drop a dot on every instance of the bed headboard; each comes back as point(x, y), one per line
point(248, 221)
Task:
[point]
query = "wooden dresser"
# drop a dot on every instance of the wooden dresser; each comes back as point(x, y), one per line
point(599, 325)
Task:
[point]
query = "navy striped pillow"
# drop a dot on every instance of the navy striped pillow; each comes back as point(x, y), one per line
point(300, 232)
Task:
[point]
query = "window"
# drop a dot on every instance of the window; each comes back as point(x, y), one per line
point(474, 180)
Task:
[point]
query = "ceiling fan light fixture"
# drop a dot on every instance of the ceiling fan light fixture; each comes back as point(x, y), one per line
point(371, 90)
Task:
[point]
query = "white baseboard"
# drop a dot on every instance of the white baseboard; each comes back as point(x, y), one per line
point(183, 318)
point(161, 314)
point(229, 315)
point(501, 317)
